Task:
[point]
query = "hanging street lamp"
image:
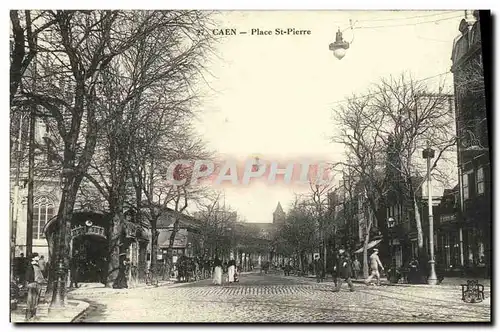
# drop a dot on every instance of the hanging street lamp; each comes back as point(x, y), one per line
point(339, 47)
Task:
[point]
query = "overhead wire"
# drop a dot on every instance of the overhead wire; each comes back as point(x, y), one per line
point(403, 18)
point(407, 24)
point(410, 17)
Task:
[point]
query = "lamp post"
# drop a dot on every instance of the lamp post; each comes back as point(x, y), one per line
point(61, 268)
point(229, 231)
point(428, 154)
point(390, 224)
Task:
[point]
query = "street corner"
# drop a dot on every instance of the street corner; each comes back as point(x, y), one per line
point(81, 308)
point(72, 311)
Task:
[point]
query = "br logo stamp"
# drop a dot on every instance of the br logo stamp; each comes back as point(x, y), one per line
point(472, 292)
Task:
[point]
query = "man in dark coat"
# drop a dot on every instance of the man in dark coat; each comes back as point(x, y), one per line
point(318, 267)
point(344, 270)
point(22, 264)
point(74, 270)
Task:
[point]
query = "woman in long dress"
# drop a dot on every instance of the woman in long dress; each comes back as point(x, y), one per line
point(217, 271)
point(231, 269)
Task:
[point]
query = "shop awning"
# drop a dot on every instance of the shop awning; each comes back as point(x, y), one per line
point(180, 240)
point(370, 245)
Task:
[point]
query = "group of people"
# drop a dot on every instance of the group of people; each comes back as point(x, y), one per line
point(345, 269)
point(220, 268)
point(23, 265)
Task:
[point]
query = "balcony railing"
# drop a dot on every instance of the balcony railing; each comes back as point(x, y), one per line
point(88, 230)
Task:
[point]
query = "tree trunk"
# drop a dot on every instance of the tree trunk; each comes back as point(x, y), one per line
point(366, 270)
point(301, 257)
point(141, 266)
point(154, 247)
point(174, 232)
point(115, 240)
point(63, 237)
point(423, 257)
point(418, 222)
point(51, 241)
point(115, 236)
point(324, 255)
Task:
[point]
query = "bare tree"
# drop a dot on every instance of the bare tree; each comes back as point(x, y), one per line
point(359, 125)
point(26, 26)
point(326, 223)
point(217, 218)
point(74, 56)
point(399, 117)
point(299, 232)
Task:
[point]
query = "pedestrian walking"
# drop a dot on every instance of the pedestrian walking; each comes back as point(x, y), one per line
point(344, 271)
point(318, 267)
point(287, 269)
point(103, 271)
point(74, 270)
point(413, 271)
point(374, 265)
point(217, 279)
point(35, 279)
point(356, 267)
point(231, 269)
point(43, 266)
point(121, 280)
point(237, 271)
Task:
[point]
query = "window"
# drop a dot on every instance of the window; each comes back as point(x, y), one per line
point(480, 181)
point(41, 131)
point(43, 212)
point(465, 186)
point(395, 213)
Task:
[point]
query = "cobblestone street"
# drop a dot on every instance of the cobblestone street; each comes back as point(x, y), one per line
point(274, 298)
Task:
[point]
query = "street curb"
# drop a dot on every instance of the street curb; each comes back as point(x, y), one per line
point(386, 283)
point(84, 306)
point(80, 309)
point(109, 290)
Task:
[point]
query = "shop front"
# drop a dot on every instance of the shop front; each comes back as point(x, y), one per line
point(461, 247)
point(89, 246)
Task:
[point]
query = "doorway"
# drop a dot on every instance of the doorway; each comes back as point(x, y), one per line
point(91, 254)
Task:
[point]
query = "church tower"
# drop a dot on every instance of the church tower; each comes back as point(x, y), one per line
point(279, 215)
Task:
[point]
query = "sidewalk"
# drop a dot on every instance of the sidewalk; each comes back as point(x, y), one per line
point(72, 310)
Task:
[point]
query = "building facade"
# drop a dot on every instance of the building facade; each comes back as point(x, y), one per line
point(472, 232)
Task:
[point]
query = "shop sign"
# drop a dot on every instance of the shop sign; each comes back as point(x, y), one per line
point(448, 218)
point(88, 230)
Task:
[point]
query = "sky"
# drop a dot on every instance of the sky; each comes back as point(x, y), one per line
point(274, 96)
